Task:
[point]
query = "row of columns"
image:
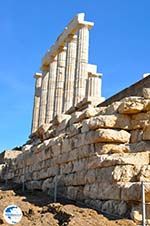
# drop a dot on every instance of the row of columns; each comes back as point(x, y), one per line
point(64, 84)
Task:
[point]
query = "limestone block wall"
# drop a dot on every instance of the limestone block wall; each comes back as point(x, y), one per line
point(134, 90)
point(98, 156)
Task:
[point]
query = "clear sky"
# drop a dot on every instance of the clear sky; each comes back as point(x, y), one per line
point(119, 45)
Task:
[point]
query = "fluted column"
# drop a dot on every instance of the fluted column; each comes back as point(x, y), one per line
point(82, 61)
point(94, 86)
point(58, 99)
point(70, 72)
point(43, 101)
point(36, 105)
point(51, 90)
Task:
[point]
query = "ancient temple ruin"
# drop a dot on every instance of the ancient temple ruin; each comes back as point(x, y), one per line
point(90, 150)
point(67, 78)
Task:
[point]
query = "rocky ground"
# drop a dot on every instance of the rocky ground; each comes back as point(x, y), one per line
point(39, 210)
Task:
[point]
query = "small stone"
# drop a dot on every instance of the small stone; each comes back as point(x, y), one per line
point(131, 105)
point(146, 93)
point(146, 133)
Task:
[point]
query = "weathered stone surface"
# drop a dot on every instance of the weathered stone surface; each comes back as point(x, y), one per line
point(75, 193)
point(124, 173)
point(7, 155)
point(95, 204)
point(66, 145)
point(66, 168)
point(136, 213)
point(63, 124)
point(146, 133)
point(59, 118)
point(107, 121)
point(90, 176)
point(101, 155)
point(132, 191)
point(103, 191)
point(46, 184)
point(75, 117)
point(79, 165)
point(147, 105)
point(139, 121)
point(102, 148)
point(41, 131)
point(131, 105)
point(50, 133)
point(144, 174)
point(115, 207)
point(101, 135)
point(110, 109)
point(2, 166)
point(56, 149)
point(79, 178)
point(91, 111)
point(69, 179)
point(104, 175)
point(34, 185)
point(137, 159)
point(136, 136)
point(27, 147)
point(146, 93)
point(142, 146)
point(73, 129)
point(108, 135)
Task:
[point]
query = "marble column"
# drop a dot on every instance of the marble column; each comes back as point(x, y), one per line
point(94, 86)
point(82, 61)
point(36, 105)
point(70, 72)
point(43, 101)
point(51, 90)
point(58, 99)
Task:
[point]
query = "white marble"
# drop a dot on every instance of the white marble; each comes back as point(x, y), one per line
point(60, 78)
point(51, 90)
point(36, 105)
point(70, 72)
point(43, 100)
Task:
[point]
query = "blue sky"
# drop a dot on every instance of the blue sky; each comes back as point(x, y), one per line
point(119, 45)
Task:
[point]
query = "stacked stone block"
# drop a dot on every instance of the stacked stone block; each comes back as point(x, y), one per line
point(98, 156)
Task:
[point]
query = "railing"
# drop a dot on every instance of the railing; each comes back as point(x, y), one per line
point(144, 220)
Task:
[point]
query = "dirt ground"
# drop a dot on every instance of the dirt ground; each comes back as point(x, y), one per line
point(40, 211)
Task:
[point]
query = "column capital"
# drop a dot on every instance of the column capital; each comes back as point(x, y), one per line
point(89, 25)
point(37, 75)
point(45, 68)
point(71, 37)
point(62, 48)
point(94, 75)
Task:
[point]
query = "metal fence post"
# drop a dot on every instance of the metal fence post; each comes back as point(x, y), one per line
point(6, 180)
point(143, 205)
point(23, 187)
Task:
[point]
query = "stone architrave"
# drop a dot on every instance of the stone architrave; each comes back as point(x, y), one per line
point(51, 90)
point(43, 100)
point(94, 85)
point(70, 72)
point(60, 77)
point(36, 106)
point(82, 63)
